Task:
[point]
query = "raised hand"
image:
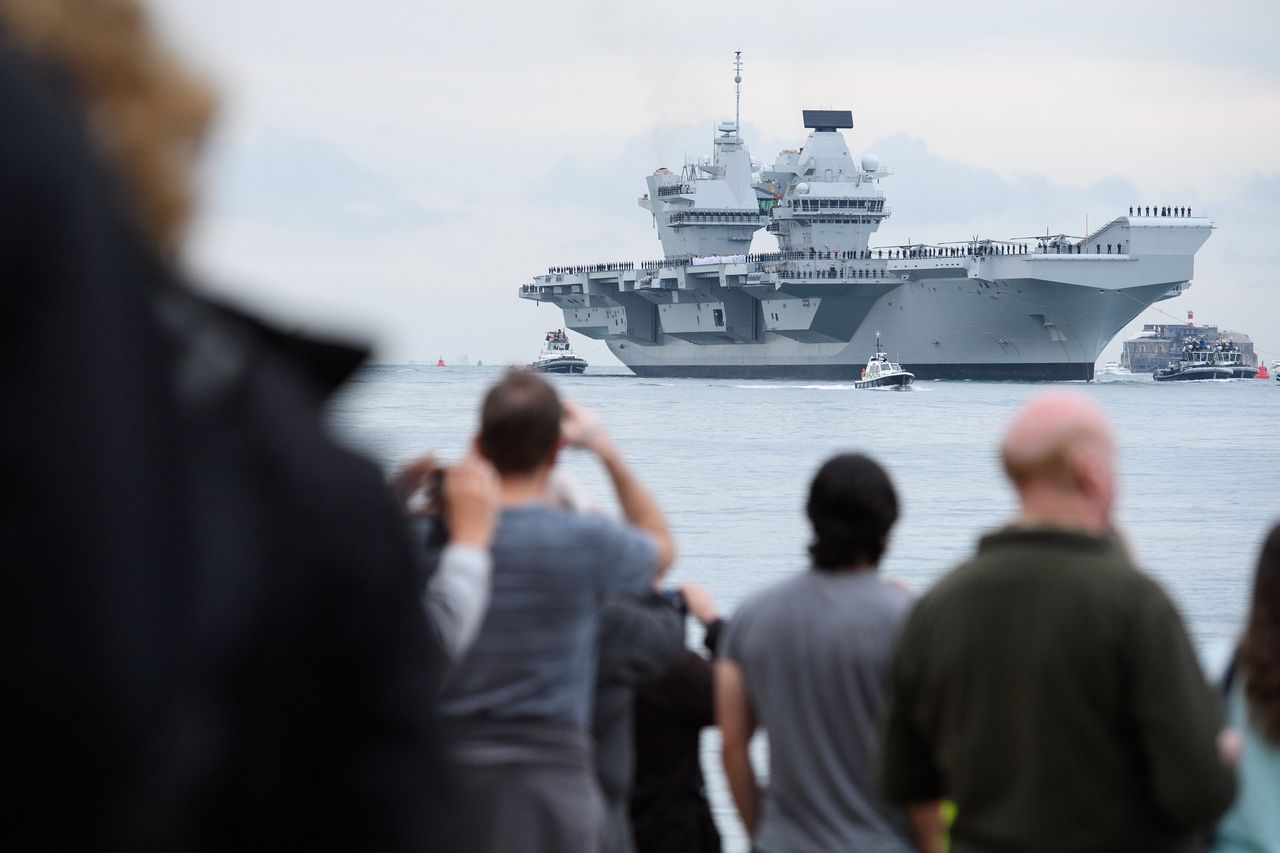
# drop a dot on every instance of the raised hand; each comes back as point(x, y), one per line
point(583, 428)
point(699, 603)
point(412, 480)
point(471, 500)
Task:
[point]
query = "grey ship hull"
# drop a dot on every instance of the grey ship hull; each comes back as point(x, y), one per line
point(935, 328)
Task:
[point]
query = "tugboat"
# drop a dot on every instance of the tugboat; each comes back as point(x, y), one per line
point(1200, 360)
point(880, 372)
point(557, 356)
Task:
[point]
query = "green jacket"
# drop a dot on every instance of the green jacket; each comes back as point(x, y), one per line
point(1049, 689)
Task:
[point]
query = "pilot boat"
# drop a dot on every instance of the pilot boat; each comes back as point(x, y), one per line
point(1220, 360)
point(557, 355)
point(880, 372)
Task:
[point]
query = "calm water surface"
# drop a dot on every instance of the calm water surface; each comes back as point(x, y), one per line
point(729, 460)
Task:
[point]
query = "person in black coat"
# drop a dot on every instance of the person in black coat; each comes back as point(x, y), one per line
point(212, 633)
point(669, 808)
point(640, 639)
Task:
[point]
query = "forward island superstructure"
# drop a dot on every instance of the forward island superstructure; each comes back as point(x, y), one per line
point(1039, 308)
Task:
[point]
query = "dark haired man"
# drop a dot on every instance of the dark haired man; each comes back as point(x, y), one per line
point(518, 703)
point(1047, 686)
point(808, 659)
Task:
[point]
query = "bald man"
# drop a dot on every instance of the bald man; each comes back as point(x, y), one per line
point(1047, 687)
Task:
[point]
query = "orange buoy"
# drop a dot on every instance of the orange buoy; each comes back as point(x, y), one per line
point(440, 362)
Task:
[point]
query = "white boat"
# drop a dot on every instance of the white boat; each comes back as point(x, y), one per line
point(1114, 368)
point(880, 372)
point(557, 355)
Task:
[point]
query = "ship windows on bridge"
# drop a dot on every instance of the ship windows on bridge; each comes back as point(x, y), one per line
point(828, 204)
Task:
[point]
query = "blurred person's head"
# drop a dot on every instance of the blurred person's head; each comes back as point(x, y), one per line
point(1260, 649)
point(520, 425)
point(852, 507)
point(1058, 454)
point(146, 115)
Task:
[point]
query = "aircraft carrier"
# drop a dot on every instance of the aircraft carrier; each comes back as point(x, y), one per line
point(1032, 308)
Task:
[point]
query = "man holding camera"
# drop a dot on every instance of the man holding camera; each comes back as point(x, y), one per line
point(518, 703)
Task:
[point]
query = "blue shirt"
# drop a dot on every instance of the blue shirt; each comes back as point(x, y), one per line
point(535, 656)
point(1253, 824)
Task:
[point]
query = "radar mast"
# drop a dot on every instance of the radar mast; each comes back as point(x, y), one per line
point(737, 92)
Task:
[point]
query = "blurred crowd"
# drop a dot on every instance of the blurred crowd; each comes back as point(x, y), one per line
point(227, 632)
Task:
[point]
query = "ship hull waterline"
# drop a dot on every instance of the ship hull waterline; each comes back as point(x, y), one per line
point(982, 330)
point(1059, 372)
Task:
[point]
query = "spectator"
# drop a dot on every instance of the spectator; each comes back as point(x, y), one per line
point(457, 592)
point(1047, 686)
point(214, 643)
point(1253, 713)
point(807, 659)
point(669, 808)
point(640, 639)
point(518, 704)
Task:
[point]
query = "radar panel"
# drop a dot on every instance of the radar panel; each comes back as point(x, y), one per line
point(828, 119)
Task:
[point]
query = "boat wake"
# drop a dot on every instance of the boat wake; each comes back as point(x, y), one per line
point(796, 387)
point(833, 386)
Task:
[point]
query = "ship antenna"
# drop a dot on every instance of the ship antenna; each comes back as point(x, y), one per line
point(737, 92)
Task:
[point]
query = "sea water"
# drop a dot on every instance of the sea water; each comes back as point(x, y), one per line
point(730, 461)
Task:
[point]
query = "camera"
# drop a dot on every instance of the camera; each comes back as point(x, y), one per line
point(674, 597)
point(438, 535)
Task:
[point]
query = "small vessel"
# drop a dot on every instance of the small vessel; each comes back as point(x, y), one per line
point(440, 361)
point(1199, 360)
point(880, 372)
point(1262, 371)
point(557, 355)
point(1114, 368)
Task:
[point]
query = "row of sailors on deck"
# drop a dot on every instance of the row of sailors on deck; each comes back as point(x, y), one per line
point(830, 272)
point(605, 267)
point(1160, 211)
point(681, 260)
point(979, 250)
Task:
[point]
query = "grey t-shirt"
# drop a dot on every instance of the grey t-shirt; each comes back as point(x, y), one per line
point(815, 652)
point(535, 656)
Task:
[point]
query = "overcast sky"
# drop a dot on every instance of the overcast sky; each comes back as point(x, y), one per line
point(395, 170)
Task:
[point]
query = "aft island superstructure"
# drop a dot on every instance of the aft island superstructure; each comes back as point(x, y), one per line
point(1026, 308)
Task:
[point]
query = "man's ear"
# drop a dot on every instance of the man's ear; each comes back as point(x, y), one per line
point(1090, 475)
